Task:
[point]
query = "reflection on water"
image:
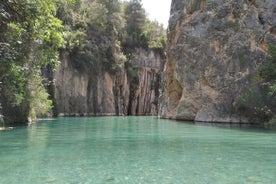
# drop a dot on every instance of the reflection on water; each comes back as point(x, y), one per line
point(241, 126)
point(136, 150)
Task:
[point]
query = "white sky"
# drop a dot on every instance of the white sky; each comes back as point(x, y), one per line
point(158, 10)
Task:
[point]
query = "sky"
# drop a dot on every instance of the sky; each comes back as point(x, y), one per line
point(158, 10)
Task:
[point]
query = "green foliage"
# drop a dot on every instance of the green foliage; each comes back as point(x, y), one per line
point(95, 34)
point(98, 34)
point(135, 21)
point(73, 38)
point(30, 38)
point(242, 60)
point(232, 25)
point(268, 73)
point(141, 32)
point(94, 45)
point(133, 75)
point(12, 75)
point(155, 35)
point(259, 102)
point(268, 70)
point(115, 59)
point(38, 97)
point(135, 16)
point(256, 104)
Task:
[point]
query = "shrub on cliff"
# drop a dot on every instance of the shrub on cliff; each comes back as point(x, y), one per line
point(100, 34)
point(259, 102)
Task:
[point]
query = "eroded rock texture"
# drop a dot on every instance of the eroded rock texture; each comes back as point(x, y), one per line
point(104, 93)
point(144, 99)
point(214, 50)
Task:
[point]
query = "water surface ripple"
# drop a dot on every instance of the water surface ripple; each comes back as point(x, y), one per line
point(135, 150)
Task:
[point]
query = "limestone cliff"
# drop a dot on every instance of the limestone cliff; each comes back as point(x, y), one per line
point(107, 93)
point(214, 50)
point(144, 99)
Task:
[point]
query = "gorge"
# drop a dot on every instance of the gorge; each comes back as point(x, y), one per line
point(210, 68)
point(93, 91)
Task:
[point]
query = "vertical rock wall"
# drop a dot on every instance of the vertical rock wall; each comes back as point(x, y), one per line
point(145, 98)
point(214, 50)
point(87, 94)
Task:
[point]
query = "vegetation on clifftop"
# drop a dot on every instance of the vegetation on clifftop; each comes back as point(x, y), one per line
point(101, 34)
point(96, 36)
point(94, 33)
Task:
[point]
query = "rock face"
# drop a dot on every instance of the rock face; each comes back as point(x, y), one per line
point(214, 50)
point(144, 97)
point(87, 94)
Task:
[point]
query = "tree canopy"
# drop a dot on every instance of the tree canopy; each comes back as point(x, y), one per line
point(94, 33)
point(30, 37)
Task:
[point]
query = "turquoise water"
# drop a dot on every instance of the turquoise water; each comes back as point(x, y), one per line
point(135, 150)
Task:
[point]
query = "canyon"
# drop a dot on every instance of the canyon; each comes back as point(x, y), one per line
point(207, 68)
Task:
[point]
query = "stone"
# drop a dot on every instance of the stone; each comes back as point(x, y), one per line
point(214, 50)
point(104, 93)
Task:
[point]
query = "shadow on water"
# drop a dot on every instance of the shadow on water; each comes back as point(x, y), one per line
point(3, 126)
point(253, 127)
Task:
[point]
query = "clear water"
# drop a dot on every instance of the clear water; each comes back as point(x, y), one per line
point(135, 150)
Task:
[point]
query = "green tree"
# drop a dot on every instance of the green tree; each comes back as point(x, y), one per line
point(94, 45)
point(268, 70)
point(135, 16)
point(115, 17)
point(93, 33)
point(156, 36)
point(30, 38)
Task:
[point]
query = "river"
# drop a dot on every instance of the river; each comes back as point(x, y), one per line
point(130, 150)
